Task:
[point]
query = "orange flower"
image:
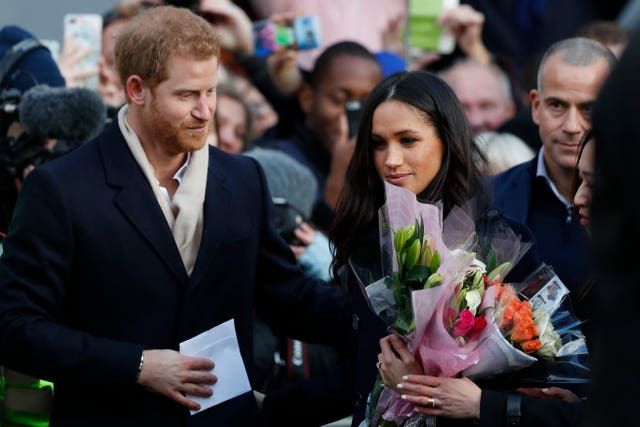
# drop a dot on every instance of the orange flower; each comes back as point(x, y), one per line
point(524, 328)
point(523, 331)
point(510, 310)
point(531, 346)
point(525, 309)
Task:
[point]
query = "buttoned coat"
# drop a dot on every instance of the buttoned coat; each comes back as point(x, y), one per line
point(91, 276)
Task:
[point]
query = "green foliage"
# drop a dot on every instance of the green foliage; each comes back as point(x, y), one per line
point(418, 263)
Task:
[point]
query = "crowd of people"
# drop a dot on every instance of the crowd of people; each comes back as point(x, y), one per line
point(225, 184)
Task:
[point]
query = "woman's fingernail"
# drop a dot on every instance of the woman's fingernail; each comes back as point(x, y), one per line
point(399, 386)
point(545, 390)
point(405, 377)
point(403, 396)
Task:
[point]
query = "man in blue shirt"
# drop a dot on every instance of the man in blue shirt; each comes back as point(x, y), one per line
point(538, 193)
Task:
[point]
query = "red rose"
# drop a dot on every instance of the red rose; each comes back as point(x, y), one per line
point(465, 322)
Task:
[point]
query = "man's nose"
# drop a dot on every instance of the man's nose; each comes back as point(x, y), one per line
point(204, 108)
point(573, 122)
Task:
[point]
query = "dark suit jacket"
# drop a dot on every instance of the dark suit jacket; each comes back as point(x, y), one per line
point(91, 276)
point(512, 190)
point(562, 243)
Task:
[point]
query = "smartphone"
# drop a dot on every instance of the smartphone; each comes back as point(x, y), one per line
point(268, 36)
point(424, 32)
point(85, 30)
point(306, 30)
point(354, 111)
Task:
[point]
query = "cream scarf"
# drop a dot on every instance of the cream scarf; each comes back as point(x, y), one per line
point(185, 212)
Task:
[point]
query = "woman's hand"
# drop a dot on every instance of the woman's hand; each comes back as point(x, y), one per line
point(442, 397)
point(70, 63)
point(282, 64)
point(466, 24)
point(232, 24)
point(396, 361)
point(306, 235)
point(550, 393)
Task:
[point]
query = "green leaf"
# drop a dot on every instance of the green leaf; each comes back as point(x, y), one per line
point(434, 280)
point(491, 263)
point(435, 261)
point(413, 254)
point(405, 325)
point(461, 301)
point(408, 243)
point(499, 272)
point(420, 227)
point(425, 255)
point(418, 273)
point(478, 282)
point(398, 241)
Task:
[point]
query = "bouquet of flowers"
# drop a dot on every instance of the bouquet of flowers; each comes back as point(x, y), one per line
point(555, 339)
point(436, 295)
point(534, 319)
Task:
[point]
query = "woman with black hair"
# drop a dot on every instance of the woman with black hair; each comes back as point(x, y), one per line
point(413, 134)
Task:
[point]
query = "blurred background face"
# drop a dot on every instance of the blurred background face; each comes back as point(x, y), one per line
point(482, 95)
point(347, 78)
point(582, 199)
point(407, 151)
point(231, 121)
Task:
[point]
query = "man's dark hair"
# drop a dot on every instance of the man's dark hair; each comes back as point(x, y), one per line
point(346, 48)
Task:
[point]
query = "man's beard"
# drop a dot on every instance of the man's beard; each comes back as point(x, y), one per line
point(175, 140)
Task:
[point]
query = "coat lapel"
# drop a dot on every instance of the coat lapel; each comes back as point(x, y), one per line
point(217, 212)
point(136, 200)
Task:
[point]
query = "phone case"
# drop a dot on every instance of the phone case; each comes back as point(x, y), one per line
point(424, 32)
point(307, 32)
point(268, 37)
point(86, 30)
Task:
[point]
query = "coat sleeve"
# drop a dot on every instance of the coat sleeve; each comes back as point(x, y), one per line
point(36, 270)
point(534, 412)
point(293, 304)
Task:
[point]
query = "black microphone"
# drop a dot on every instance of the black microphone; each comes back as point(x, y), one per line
point(69, 114)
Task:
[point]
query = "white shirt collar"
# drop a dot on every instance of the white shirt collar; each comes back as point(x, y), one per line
point(180, 173)
point(541, 170)
point(178, 177)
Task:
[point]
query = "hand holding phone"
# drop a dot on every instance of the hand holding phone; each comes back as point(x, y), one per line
point(270, 36)
point(424, 31)
point(84, 33)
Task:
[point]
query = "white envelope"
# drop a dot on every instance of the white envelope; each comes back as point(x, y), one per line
point(219, 344)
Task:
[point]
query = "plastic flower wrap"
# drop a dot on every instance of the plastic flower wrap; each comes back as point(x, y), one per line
point(413, 254)
point(534, 323)
point(562, 352)
point(447, 315)
point(526, 329)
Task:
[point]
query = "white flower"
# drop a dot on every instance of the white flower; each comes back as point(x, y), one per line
point(473, 300)
point(549, 338)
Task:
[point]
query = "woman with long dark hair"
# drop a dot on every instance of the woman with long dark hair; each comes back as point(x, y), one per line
point(434, 107)
point(413, 134)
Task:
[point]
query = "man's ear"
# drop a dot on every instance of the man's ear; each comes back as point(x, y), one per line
point(136, 89)
point(535, 105)
point(305, 97)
